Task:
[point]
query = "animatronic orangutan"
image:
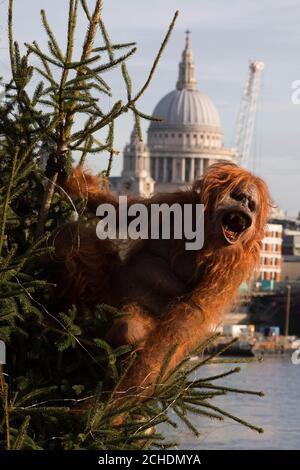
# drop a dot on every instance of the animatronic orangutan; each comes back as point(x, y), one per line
point(172, 296)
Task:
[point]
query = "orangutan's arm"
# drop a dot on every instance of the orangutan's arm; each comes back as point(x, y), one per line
point(183, 325)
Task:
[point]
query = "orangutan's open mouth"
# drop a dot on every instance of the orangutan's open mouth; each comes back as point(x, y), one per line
point(234, 223)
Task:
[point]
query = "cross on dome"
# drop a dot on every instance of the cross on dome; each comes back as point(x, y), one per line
point(187, 38)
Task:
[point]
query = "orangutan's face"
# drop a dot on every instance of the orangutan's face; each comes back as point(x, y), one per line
point(235, 215)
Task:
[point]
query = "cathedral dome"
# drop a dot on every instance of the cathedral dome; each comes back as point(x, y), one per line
point(180, 148)
point(186, 107)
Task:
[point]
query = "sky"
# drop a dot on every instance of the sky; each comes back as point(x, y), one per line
point(225, 35)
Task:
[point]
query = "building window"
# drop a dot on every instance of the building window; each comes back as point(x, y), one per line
point(180, 135)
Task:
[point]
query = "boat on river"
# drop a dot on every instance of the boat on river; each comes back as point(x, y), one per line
point(255, 346)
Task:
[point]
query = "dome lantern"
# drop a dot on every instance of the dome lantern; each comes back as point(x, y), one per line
point(186, 79)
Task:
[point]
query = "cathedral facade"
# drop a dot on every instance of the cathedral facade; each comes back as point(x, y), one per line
point(181, 146)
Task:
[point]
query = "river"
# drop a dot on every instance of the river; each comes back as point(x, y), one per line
point(278, 412)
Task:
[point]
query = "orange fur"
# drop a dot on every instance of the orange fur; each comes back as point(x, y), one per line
point(93, 272)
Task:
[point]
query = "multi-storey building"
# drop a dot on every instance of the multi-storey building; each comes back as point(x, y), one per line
point(271, 256)
point(290, 246)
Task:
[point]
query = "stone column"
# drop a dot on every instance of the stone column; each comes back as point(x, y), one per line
point(156, 168)
point(182, 179)
point(201, 167)
point(165, 170)
point(192, 170)
point(174, 170)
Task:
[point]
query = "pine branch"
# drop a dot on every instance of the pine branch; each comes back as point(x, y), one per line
point(85, 9)
point(46, 203)
point(230, 389)
point(4, 397)
point(4, 213)
point(114, 46)
point(52, 39)
point(19, 442)
point(234, 418)
point(62, 144)
point(10, 39)
point(110, 141)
